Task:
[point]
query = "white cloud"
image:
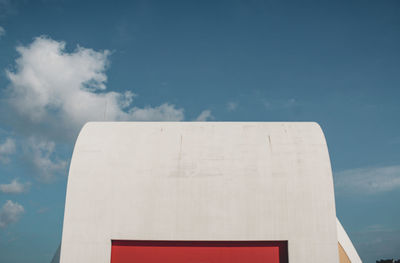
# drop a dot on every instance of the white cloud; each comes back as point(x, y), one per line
point(165, 112)
point(41, 154)
point(10, 213)
point(231, 106)
point(15, 187)
point(6, 148)
point(2, 31)
point(52, 92)
point(368, 180)
point(59, 91)
point(205, 115)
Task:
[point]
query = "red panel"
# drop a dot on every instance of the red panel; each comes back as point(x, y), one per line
point(199, 251)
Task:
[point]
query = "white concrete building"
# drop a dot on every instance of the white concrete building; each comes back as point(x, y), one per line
point(210, 191)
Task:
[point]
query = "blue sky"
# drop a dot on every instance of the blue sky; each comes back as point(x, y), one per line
point(63, 63)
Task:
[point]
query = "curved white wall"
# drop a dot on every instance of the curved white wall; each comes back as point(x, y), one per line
point(346, 243)
point(200, 181)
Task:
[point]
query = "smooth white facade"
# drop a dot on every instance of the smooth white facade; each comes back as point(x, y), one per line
point(200, 181)
point(347, 245)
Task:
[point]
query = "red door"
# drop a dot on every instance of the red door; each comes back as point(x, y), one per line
point(199, 251)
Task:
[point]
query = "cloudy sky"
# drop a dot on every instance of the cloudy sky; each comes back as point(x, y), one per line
point(63, 63)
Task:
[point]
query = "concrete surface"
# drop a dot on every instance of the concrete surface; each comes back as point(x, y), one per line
point(200, 181)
